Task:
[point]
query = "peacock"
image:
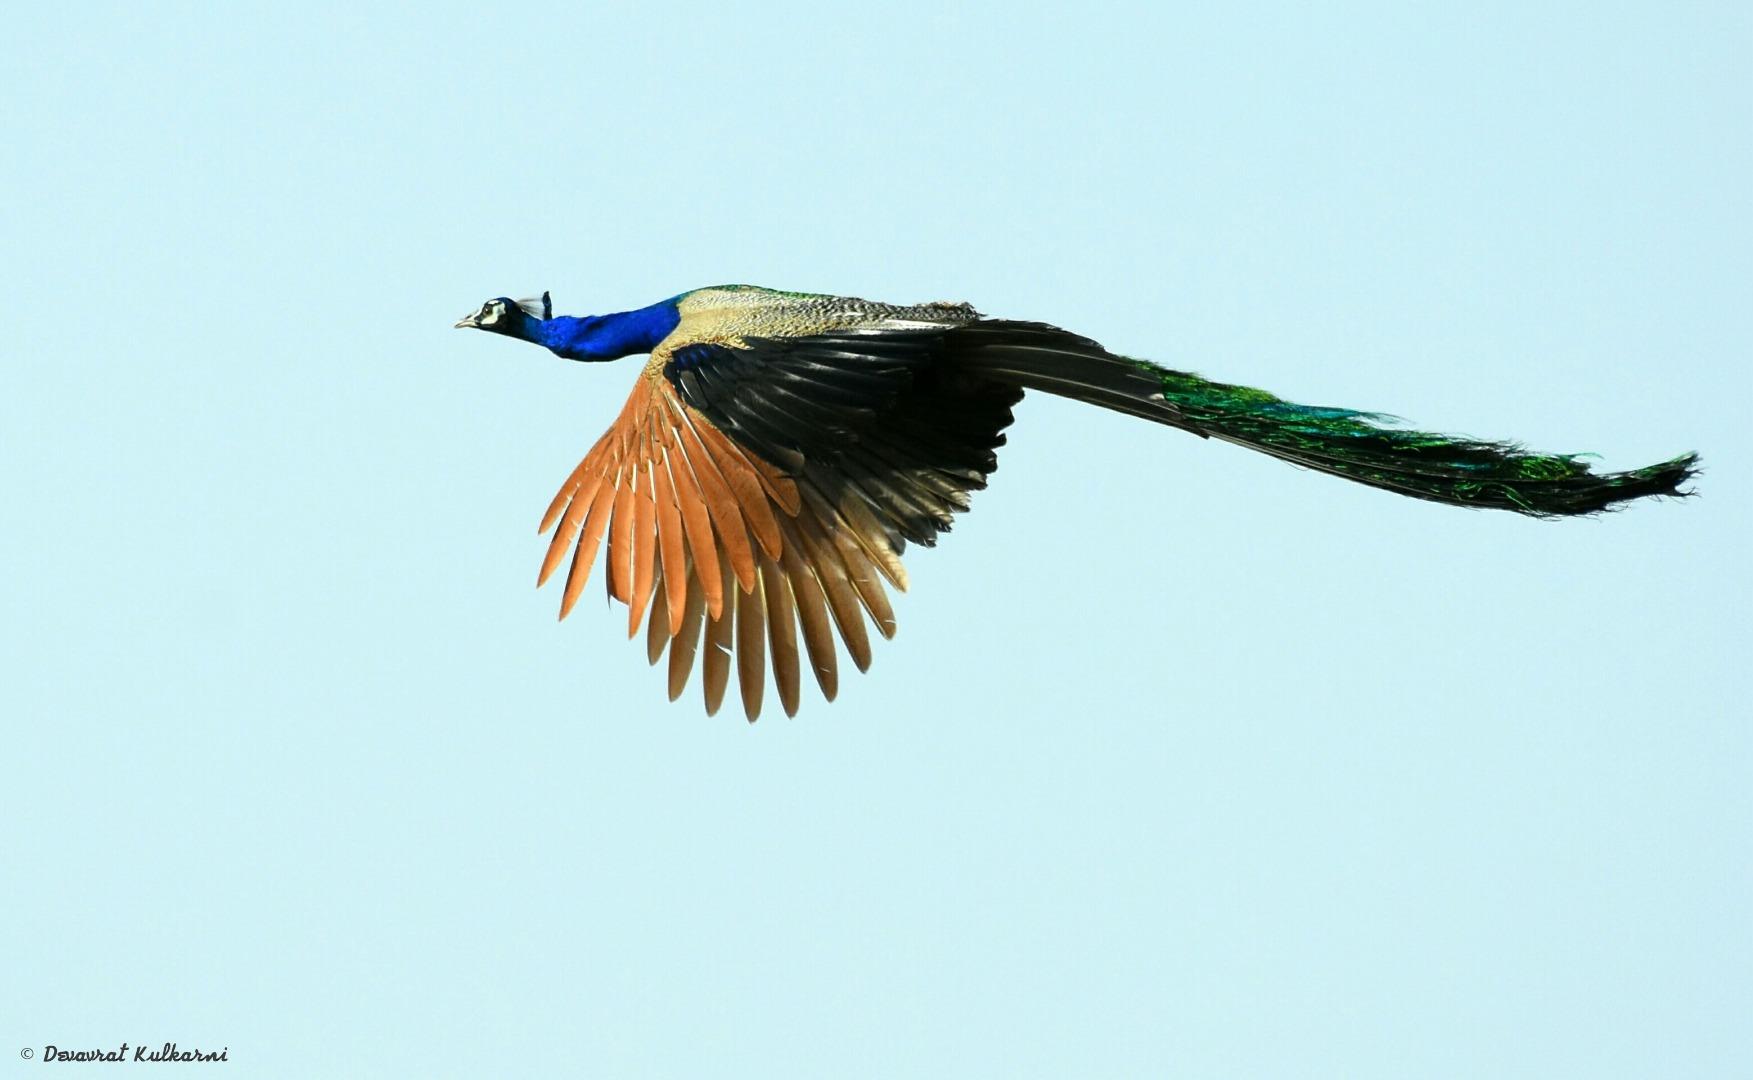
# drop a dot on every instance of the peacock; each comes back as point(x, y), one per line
point(781, 449)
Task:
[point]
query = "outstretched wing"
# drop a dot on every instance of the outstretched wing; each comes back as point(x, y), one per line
point(753, 491)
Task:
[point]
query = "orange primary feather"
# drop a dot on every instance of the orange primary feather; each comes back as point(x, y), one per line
point(672, 545)
point(708, 541)
point(644, 547)
point(721, 505)
point(621, 538)
point(586, 552)
point(745, 484)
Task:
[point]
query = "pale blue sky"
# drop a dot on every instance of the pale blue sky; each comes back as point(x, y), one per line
point(1184, 762)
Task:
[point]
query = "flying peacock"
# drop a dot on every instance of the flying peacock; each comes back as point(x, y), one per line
point(781, 449)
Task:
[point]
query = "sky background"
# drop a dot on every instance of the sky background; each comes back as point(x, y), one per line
point(1184, 762)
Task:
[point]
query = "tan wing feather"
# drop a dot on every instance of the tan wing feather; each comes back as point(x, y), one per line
point(866, 582)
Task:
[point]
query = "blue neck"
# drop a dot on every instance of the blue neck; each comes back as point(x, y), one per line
point(606, 337)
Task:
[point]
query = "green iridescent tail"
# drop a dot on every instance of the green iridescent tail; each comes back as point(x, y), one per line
point(1441, 468)
point(1360, 446)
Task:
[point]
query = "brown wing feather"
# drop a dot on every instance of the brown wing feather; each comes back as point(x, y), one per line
point(715, 666)
point(657, 628)
point(812, 615)
point(842, 600)
point(781, 633)
point(707, 540)
point(687, 638)
point(751, 638)
point(673, 546)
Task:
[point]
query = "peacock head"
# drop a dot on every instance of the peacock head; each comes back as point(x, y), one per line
point(503, 315)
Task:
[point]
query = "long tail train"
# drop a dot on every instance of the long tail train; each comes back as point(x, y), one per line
point(1356, 445)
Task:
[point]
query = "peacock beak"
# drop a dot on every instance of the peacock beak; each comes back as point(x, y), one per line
point(467, 322)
